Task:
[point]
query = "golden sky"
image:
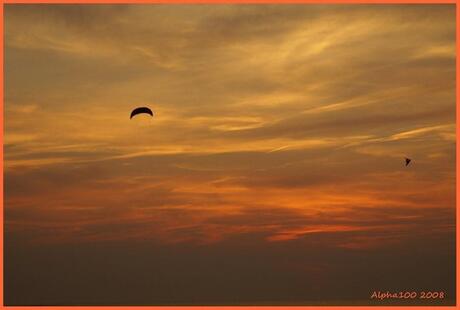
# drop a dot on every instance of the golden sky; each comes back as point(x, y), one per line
point(275, 125)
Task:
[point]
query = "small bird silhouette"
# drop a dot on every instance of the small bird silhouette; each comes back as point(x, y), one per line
point(407, 161)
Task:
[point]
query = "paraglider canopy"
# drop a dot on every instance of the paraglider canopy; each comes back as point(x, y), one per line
point(141, 110)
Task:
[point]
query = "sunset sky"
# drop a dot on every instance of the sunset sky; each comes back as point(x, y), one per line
point(272, 172)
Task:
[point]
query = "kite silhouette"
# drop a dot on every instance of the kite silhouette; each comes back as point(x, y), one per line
point(141, 110)
point(407, 161)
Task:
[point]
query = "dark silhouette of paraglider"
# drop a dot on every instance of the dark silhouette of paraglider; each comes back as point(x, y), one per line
point(408, 160)
point(141, 110)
